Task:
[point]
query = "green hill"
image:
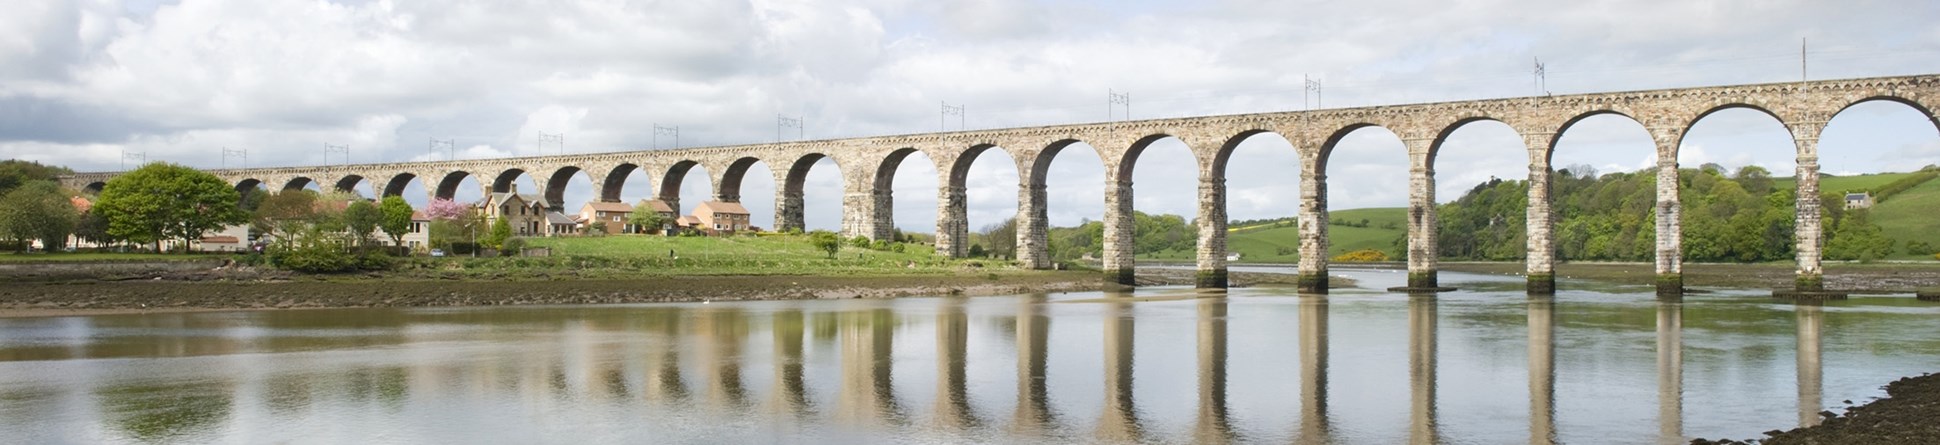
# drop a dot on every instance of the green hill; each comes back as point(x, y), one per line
point(1909, 216)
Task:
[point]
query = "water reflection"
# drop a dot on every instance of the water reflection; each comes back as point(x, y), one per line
point(1119, 420)
point(1810, 318)
point(1214, 425)
point(1670, 372)
point(827, 371)
point(1314, 423)
point(953, 410)
point(791, 393)
point(1542, 370)
point(1033, 414)
point(866, 397)
point(1421, 369)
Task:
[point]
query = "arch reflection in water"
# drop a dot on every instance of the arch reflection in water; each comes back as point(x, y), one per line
point(1422, 311)
point(1542, 370)
point(1119, 418)
point(724, 330)
point(790, 393)
point(1033, 414)
point(1214, 422)
point(952, 411)
point(1314, 424)
point(867, 396)
point(1810, 318)
point(1670, 372)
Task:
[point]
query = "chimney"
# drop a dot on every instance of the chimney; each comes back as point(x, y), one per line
point(515, 188)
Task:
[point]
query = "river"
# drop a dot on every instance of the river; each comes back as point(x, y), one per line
point(1483, 365)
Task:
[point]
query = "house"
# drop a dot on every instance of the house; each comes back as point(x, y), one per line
point(419, 236)
point(560, 224)
point(722, 216)
point(614, 214)
point(221, 243)
point(687, 222)
point(666, 212)
point(525, 213)
point(1861, 200)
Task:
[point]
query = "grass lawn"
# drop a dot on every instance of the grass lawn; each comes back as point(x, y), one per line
point(653, 255)
point(1264, 244)
point(62, 257)
point(1841, 184)
point(1912, 215)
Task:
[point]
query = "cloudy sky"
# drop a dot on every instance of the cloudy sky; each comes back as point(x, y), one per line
point(84, 81)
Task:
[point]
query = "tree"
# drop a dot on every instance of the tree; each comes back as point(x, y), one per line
point(93, 228)
point(15, 173)
point(646, 219)
point(1002, 238)
point(825, 241)
point(501, 231)
point(38, 210)
point(1856, 238)
point(596, 228)
point(166, 201)
point(281, 214)
point(445, 209)
point(362, 218)
point(395, 218)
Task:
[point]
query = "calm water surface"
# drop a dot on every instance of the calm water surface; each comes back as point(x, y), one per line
point(1164, 365)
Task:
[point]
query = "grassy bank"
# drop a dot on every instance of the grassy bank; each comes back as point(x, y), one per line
point(1882, 277)
point(640, 256)
point(87, 257)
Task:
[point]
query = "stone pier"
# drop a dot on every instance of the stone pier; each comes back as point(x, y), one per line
point(1806, 226)
point(1540, 259)
point(1423, 253)
point(1212, 232)
point(1118, 251)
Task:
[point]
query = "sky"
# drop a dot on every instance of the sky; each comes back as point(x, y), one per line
point(98, 85)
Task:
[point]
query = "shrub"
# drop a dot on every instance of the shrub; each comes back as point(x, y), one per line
point(1363, 255)
point(316, 258)
point(825, 241)
point(374, 261)
point(881, 244)
point(1919, 248)
point(859, 242)
point(898, 247)
point(514, 246)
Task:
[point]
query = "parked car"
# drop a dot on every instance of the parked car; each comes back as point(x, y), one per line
point(437, 252)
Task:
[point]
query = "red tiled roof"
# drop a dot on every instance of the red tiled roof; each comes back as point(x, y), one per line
point(615, 207)
point(710, 207)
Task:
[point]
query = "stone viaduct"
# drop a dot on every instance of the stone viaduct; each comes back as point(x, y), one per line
point(868, 164)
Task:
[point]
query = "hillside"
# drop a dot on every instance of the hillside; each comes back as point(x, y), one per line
point(1909, 216)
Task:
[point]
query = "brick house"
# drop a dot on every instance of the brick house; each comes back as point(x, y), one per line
point(614, 214)
point(721, 216)
point(525, 213)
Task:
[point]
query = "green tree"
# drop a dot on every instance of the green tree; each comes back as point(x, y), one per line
point(15, 173)
point(1002, 238)
point(396, 218)
point(825, 241)
point(645, 219)
point(280, 215)
point(501, 231)
point(38, 210)
point(362, 218)
point(166, 201)
point(93, 228)
point(1856, 238)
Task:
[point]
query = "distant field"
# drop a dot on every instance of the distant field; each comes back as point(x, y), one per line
point(633, 255)
point(1264, 243)
point(1842, 184)
point(1909, 216)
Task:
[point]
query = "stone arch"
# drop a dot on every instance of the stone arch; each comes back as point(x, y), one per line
point(396, 185)
point(1435, 147)
point(94, 188)
point(348, 183)
point(506, 179)
point(730, 187)
point(297, 183)
point(1217, 164)
point(615, 181)
point(670, 182)
point(797, 177)
point(1549, 148)
point(1041, 163)
point(1917, 106)
point(448, 187)
point(1327, 148)
point(886, 171)
point(555, 190)
point(1692, 123)
point(1125, 163)
point(245, 184)
point(960, 170)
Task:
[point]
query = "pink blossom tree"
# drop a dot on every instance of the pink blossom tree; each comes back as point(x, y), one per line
point(445, 209)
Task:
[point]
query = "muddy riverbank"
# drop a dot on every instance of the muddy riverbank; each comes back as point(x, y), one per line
point(1906, 415)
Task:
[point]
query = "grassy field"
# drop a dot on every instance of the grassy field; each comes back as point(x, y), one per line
point(1912, 215)
point(1842, 184)
point(622, 256)
point(99, 257)
point(1266, 244)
